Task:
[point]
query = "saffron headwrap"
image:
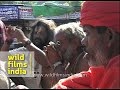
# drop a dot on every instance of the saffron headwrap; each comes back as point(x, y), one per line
point(103, 13)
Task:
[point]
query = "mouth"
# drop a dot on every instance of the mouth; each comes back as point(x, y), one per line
point(37, 41)
point(85, 49)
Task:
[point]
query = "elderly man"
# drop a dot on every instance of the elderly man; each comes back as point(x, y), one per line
point(64, 54)
point(100, 21)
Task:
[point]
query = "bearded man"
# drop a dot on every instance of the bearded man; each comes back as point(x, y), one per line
point(100, 21)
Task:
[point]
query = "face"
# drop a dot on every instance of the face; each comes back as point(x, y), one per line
point(96, 46)
point(67, 49)
point(39, 36)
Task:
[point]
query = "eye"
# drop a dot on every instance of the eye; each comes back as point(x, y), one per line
point(57, 44)
point(86, 33)
point(35, 31)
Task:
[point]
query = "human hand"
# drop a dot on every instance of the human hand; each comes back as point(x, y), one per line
point(13, 32)
point(52, 53)
point(8, 33)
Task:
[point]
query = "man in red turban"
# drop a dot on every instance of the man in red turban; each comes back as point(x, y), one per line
point(100, 21)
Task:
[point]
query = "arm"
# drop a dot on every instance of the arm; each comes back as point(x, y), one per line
point(6, 45)
point(40, 56)
point(52, 75)
point(7, 42)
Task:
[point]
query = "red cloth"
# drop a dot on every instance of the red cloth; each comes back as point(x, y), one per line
point(96, 77)
point(2, 31)
point(103, 13)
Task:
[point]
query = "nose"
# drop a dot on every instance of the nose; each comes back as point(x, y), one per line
point(38, 32)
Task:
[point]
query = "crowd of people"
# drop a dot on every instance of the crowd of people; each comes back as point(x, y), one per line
point(81, 55)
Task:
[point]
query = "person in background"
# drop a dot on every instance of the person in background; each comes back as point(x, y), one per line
point(100, 22)
point(5, 41)
point(41, 35)
point(65, 54)
point(42, 32)
point(4, 82)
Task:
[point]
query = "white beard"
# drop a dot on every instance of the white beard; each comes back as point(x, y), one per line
point(68, 54)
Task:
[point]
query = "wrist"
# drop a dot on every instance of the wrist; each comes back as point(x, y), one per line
point(23, 40)
point(26, 42)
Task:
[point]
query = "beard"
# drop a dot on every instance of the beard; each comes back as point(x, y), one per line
point(68, 55)
point(101, 56)
point(39, 43)
point(96, 56)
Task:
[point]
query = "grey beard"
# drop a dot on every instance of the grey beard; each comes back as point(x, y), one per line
point(98, 59)
point(68, 54)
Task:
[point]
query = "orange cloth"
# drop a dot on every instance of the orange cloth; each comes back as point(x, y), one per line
point(103, 13)
point(95, 77)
